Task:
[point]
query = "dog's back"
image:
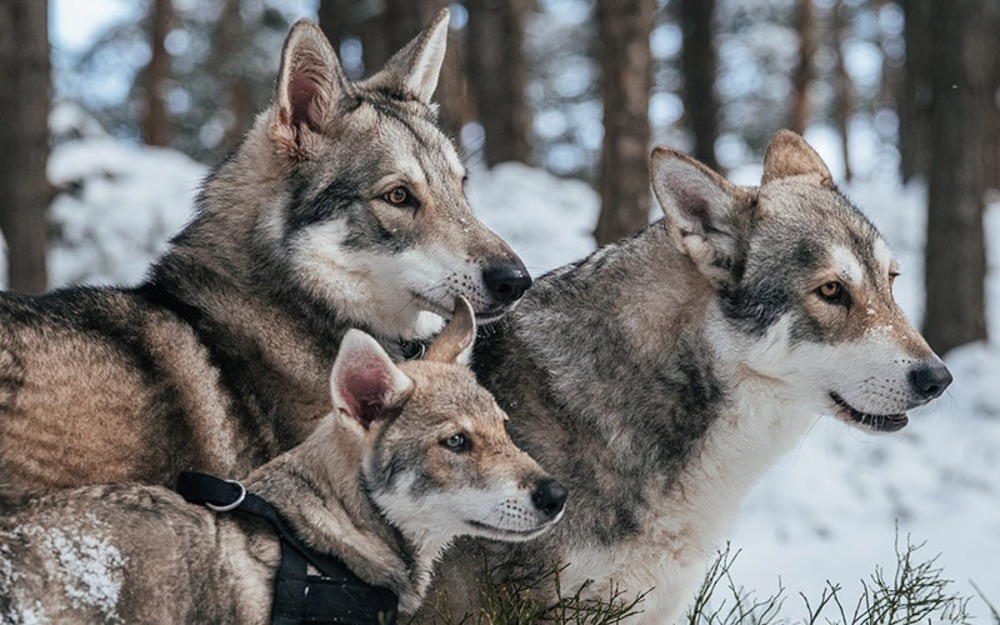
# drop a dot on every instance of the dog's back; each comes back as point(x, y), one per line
point(127, 553)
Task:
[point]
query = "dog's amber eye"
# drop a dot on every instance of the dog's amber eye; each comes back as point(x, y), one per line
point(398, 196)
point(831, 291)
point(457, 443)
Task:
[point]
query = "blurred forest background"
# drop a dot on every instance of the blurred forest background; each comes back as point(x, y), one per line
point(581, 88)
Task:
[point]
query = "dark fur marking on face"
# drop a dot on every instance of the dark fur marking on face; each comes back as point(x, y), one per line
point(757, 305)
point(807, 253)
point(336, 198)
point(391, 103)
point(366, 231)
point(390, 469)
point(806, 329)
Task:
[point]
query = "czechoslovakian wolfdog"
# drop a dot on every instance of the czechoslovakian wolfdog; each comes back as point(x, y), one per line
point(412, 456)
point(342, 208)
point(660, 377)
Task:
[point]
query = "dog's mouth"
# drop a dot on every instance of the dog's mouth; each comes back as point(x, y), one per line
point(509, 534)
point(489, 316)
point(483, 317)
point(876, 422)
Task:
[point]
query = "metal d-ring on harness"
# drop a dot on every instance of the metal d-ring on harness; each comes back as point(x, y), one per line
point(337, 597)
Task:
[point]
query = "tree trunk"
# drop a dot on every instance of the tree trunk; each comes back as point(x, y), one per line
point(156, 124)
point(699, 66)
point(803, 76)
point(913, 101)
point(844, 97)
point(626, 65)
point(964, 86)
point(230, 34)
point(400, 22)
point(497, 74)
point(335, 21)
point(24, 135)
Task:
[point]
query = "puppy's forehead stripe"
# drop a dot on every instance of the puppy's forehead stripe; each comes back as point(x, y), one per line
point(846, 264)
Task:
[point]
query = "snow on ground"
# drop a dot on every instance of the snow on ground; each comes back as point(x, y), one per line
point(829, 510)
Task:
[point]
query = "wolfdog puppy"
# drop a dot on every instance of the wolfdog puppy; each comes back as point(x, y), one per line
point(412, 456)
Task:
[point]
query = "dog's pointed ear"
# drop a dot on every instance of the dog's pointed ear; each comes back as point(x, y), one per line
point(454, 343)
point(702, 211)
point(365, 384)
point(788, 155)
point(310, 84)
point(414, 70)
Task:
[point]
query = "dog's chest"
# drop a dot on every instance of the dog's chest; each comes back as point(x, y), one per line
point(661, 573)
point(682, 524)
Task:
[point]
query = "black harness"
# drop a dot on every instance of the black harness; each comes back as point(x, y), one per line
point(336, 597)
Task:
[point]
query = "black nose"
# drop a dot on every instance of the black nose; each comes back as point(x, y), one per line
point(507, 283)
point(930, 380)
point(549, 497)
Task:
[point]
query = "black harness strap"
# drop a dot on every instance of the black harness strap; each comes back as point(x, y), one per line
point(336, 597)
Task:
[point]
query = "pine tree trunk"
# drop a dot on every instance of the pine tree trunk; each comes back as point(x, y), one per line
point(803, 75)
point(699, 66)
point(334, 20)
point(230, 34)
point(156, 123)
point(915, 95)
point(24, 108)
point(626, 65)
point(844, 86)
point(402, 20)
point(964, 87)
point(497, 74)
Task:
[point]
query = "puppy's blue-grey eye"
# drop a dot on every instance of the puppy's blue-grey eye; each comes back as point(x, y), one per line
point(457, 443)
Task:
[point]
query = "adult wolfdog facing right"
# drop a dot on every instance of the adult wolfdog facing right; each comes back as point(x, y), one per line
point(659, 377)
point(342, 208)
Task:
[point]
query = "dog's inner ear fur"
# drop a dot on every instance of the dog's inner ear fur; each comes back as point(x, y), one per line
point(788, 155)
point(454, 343)
point(365, 384)
point(701, 208)
point(309, 85)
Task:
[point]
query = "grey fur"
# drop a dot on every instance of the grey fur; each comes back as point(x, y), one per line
point(660, 376)
point(130, 553)
point(219, 360)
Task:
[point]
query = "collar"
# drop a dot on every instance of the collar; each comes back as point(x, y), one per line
point(412, 349)
point(335, 597)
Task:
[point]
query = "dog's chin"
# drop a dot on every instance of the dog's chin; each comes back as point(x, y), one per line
point(491, 316)
point(872, 422)
point(508, 535)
